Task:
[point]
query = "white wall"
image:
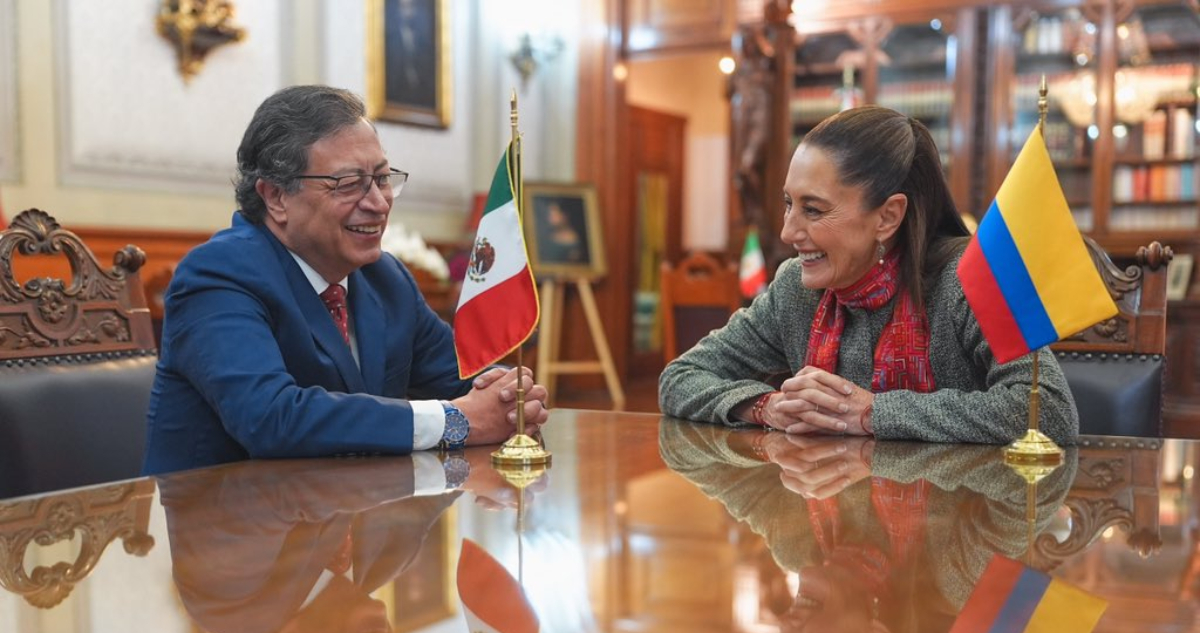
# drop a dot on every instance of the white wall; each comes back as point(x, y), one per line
point(8, 91)
point(98, 128)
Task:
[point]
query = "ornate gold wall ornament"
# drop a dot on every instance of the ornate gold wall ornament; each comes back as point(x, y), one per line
point(195, 28)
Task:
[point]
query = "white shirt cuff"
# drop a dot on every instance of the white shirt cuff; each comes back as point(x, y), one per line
point(429, 423)
point(429, 478)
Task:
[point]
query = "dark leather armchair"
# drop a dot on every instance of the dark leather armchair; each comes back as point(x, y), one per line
point(1115, 368)
point(77, 363)
point(698, 296)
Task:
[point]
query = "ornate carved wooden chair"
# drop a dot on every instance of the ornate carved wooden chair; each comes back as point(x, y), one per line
point(697, 296)
point(1115, 368)
point(77, 363)
point(1116, 485)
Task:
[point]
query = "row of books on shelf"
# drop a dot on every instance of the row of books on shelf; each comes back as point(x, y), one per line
point(924, 100)
point(813, 103)
point(1083, 218)
point(1028, 88)
point(1064, 141)
point(921, 99)
point(1154, 183)
point(1153, 219)
point(1052, 35)
point(1169, 133)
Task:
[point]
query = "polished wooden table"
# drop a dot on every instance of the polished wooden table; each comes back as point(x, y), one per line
point(641, 524)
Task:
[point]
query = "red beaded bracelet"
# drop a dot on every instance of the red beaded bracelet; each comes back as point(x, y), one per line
point(760, 407)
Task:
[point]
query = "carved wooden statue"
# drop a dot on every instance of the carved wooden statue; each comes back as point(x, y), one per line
point(750, 107)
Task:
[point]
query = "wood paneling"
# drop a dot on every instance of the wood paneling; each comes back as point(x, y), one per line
point(667, 25)
point(602, 135)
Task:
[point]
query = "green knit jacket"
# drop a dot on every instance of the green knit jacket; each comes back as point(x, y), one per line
point(976, 399)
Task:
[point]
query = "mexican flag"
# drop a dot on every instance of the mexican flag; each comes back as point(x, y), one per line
point(498, 306)
point(492, 600)
point(753, 274)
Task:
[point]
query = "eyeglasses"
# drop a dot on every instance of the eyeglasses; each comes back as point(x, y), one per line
point(356, 186)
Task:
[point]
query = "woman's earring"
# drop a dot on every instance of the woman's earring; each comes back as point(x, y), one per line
point(880, 251)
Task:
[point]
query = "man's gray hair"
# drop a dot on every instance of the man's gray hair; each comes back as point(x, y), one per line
point(275, 145)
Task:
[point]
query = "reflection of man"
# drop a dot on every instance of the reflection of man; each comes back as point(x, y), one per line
point(560, 231)
point(885, 537)
point(297, 546)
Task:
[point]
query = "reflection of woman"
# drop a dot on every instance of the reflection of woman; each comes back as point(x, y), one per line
point(559, 238)
point(885, 536)
point(869, 320)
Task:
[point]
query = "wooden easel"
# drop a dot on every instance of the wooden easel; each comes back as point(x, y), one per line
point(548, 365)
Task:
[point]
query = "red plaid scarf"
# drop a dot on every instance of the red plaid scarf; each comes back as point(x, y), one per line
point(900, 509)
point(902, 353)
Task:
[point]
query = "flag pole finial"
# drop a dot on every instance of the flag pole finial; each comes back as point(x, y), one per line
point(1043, 104)
point(512, 113)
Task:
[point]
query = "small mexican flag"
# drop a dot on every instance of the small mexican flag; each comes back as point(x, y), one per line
point(498, 307)
point(753, 274)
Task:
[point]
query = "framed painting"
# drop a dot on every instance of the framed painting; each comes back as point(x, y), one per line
point(562, 230)
point(1179, 276)
point(408, 61)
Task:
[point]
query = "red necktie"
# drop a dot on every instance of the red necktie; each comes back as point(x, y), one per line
point(335, 300)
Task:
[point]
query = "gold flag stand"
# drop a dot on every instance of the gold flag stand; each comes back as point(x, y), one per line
point(520, 452)
point(1035, 451)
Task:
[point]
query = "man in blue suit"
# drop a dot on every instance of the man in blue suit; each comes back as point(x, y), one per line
point(290, 334)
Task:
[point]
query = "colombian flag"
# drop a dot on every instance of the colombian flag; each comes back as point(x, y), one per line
point(1012, 598)
point(1026, 272)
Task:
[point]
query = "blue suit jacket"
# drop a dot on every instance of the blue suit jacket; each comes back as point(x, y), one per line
point(252, 365)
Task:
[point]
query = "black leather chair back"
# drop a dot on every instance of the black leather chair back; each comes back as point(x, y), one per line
point(57, 431)
point(1115, 368)
point(1116, 394)
point(77, 360)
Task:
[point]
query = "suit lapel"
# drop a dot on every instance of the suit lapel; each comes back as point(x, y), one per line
point(367, 312)
point(324, 332)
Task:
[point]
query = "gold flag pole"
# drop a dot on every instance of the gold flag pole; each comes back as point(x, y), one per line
point(521, 450)
point(1035, 449)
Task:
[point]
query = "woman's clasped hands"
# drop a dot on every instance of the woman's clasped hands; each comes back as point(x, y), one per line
point(819, 467)
point(816, 401)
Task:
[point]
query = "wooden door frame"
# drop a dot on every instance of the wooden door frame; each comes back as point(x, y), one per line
point(650, 364)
